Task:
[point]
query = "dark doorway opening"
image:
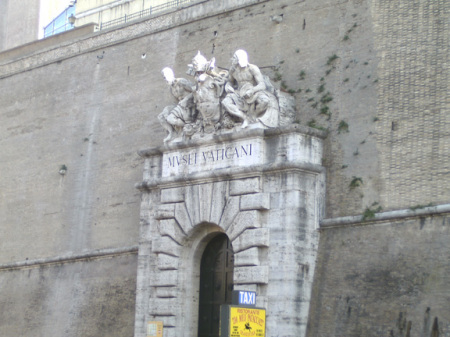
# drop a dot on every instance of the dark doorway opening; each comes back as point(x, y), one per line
point(216, 284)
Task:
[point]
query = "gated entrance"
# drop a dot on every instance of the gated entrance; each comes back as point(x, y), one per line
point(216, 284)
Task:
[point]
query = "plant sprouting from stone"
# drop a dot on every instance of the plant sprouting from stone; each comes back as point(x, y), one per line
point(326, 98)
point(351, 29)
point(321, 88)
point(370, 212)
point(343, 127)
point(312, 124)
point(331, 59)
point(356, 182)
point(416, 207)
point(325, 110)
point(278, 77)
point(302, 75)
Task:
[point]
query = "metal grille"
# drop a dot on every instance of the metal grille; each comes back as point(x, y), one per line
point(144, 13)
point(60, 23)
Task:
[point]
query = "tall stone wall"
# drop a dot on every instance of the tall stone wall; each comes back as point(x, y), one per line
point(91, 102)
point(413, 119)
point(88, 297)
point(389, 278)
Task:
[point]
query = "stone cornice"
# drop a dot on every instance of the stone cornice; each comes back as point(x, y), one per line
point(231, 136)
point(70, 258)
point(385, 216)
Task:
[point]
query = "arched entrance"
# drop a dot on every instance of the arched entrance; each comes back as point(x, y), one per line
point(216, 284)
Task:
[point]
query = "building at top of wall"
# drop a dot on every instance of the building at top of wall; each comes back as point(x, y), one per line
point(109, 13)
point(18, 26)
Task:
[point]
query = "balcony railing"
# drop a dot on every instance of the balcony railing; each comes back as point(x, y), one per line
point(60, 23)
point(144, 13)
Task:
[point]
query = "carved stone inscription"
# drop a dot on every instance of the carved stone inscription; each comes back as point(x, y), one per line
point(240, 153)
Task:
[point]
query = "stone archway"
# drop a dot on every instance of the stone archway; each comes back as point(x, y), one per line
point(268, 206)
point(180, 223)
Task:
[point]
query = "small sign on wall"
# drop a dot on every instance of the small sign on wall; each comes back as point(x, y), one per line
point(155, 329)
point(241, 321)
point(244, 297)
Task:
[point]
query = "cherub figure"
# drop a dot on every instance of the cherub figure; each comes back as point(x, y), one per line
point(248, 97)
point(175, 118)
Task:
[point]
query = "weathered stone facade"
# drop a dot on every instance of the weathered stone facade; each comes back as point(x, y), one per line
point(374, 73)
point(265, 193)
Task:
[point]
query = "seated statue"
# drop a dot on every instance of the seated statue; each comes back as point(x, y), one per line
point(248, 97)
point(174, 118)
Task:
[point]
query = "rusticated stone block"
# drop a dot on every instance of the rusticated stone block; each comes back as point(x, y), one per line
point(164, 278)
point(230, 212)
point(257, 201)
point(172, 195)
point(251, 275)
point(171, 228)
point(166, 292)
point(245, 186)
point(165, 211)
point(258, 237)
point(249, 257)
point(164, 306)
point(167, 262)
point(165, 245)
point(243, 221)
point(182, 217)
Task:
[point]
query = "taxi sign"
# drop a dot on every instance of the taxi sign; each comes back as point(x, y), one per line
point(243, 297)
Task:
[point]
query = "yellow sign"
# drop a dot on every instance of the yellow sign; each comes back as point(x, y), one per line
point(247, 322)
point(155, 329)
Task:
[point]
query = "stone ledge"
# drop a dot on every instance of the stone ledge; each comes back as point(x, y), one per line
point(385, 216)
point(233, 135)
point(93, 255)
point(226, 174)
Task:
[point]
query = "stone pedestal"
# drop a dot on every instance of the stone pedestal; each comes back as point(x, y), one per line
point(265, 190)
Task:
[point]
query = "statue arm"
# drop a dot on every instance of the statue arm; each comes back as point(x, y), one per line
point(259, 79)
point(186, 85)
point(229, 84)
point(184, 102)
